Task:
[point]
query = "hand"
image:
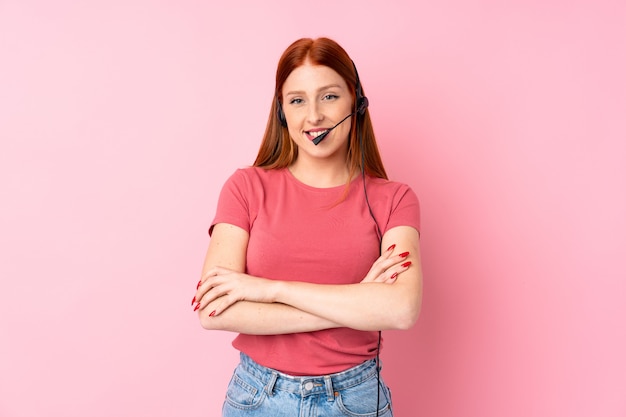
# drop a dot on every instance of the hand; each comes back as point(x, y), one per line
point(387, 267)
point(229, 287)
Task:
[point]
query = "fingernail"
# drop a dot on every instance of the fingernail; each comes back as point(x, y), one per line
point(404, 254)
point(199, 283)
point(194, 300)
point(212, 313)
point(395, 274)
point(391, 247)
point(406, 264)
point(196, 307)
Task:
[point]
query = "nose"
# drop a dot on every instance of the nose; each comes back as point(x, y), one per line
point(314, 115)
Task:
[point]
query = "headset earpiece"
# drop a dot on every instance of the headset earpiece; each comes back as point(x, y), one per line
point(361, 105)
point(280, 114)
point(361, 101)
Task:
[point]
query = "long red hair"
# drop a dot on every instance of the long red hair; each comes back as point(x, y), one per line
point(278, 150)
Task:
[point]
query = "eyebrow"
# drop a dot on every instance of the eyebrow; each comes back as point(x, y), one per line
point(326, 87)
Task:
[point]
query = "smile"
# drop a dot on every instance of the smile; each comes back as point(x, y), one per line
point(313, 134)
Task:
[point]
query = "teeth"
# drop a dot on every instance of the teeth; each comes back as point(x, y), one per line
point(316, 134)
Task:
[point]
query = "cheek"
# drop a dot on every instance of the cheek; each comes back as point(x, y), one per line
point(293, 132)
point(294, 136)
point(294, 121)
point(344, 132)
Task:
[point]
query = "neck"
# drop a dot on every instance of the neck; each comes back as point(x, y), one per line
point(320, 174)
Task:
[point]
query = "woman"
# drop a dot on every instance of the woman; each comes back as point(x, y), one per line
point(294, 264)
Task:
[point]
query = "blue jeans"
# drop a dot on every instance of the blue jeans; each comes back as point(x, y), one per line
point(257, 391)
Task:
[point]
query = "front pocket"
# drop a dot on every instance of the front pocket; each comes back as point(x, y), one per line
point(244, 391)
point(360, 400)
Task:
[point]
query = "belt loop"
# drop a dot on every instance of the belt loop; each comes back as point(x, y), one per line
point(269, 388)
point(330, 393)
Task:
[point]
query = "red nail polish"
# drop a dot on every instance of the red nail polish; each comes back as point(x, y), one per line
point(194, 300)
point(212, 313)
point(199, 283)
point(391, 247)
point(404, 254)
point(395, 274)
point(196, 307)
point(406, 264)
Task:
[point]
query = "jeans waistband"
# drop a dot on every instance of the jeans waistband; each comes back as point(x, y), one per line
point(308, 385)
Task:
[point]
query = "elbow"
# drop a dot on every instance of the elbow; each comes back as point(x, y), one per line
point(407, 316)
point(406, 321)
point(209, 323)
point(206, 324)
point(409, 308)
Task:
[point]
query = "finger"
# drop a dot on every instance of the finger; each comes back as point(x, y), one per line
point(382, 277)
point(202, 288)
point(383, 262)
point(221, 290)
point(380, 265)
point(208, 280)
point(196, 296)
point(209, 290)
point(390, 279)
point(210, 310)
point(393, 273)
point(383, 256)
point(224, 303)
point(204, 302)
point(386, 254)
point(216, 270)
point(201, 291)
point(394, 260)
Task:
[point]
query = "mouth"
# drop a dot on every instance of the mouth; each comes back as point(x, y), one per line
point(312, 134)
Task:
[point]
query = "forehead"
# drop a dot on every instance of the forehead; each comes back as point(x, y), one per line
point(310, 78)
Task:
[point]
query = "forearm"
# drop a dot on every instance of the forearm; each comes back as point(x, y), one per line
point(371, 306)
point(263, 319)
point(367, 305)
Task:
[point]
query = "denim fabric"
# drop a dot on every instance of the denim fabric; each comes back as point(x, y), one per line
point(257, 391)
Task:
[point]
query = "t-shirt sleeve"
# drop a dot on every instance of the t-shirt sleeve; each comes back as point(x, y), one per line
point(233, 204)
point(405, 209)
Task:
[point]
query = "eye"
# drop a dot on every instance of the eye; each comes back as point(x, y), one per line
point(295, 101)
point(330, 97)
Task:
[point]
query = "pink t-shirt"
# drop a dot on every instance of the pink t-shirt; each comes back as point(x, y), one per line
point(302, 233)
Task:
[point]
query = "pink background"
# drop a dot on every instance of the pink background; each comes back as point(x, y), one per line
point(120, 120)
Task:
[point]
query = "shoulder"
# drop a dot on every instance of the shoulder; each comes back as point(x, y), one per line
point(255, 174)
point(384, 188)
point(255, 180)
point(395, 202)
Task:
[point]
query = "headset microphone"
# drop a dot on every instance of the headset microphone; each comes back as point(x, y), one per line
point(318, 139)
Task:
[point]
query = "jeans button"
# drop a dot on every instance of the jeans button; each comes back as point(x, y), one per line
point(308, 386)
